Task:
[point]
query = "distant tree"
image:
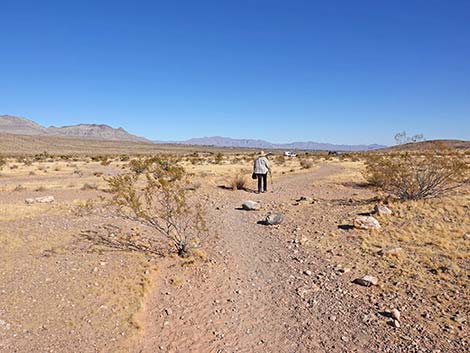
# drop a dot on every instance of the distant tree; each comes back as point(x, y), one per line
point(402, 138)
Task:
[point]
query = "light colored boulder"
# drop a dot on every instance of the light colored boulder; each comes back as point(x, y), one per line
point(250, 206)
point(367, 281)
point(366, 222)
point(274, 219)
point(382, 210)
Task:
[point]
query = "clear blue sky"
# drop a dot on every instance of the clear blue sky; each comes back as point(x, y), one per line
point(328, 71)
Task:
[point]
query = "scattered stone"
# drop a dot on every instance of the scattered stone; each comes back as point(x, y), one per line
point(367, 281)
point(168, 311)
point(390, 251)
point(341, 269)
point(274, 219)
point(306, 199)
point(308, 273)
point(250, 206)
point(366, 222)
point(395, 324)
point(459, 318)
point(466, 236)
point(4, 325)
point(395, 314)
point(306, 292)
point(344, 338)
point(382, 210)
point(42, 199)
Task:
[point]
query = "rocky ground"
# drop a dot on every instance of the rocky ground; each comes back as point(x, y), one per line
point(263, 288)
point(273, 289)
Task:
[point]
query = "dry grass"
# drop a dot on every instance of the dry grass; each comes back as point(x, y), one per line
point(239, 182)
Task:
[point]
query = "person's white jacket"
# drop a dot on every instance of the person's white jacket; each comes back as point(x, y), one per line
point(261, 165)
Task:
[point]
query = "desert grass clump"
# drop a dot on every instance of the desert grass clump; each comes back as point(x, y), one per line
point(280, 159)
point(412, 177)
point(306, 163)
point(158, 198)
point(239, 182)
point(219, 157)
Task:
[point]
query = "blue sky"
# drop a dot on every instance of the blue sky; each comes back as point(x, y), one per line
point(328, 71)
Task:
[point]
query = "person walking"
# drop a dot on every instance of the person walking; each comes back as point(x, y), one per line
point(260, 171)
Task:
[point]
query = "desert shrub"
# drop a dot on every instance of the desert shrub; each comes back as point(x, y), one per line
point(219, 157)
point(25, 161)
point(140, 165)
point(19, 188)
point(3, 162)
point(157, 197)
point(413, 177)
point(196, 160)
point(83, 208)
point(40, 189)
point(124, 158)
point(306, 163)
point(42, 156)
point(239, 182)
point(14, 166)
point(280, 159)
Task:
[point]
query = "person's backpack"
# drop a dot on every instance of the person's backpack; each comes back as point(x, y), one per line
point(253, 176)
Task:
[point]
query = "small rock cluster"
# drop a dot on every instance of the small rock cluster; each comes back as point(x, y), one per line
point(42, 199)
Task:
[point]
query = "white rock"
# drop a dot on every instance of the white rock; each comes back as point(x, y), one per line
point(274, 219)
point(382, 210)
point(250, 205)
point(367, 281)
point(4, 325)
point(42, 199)
point(366, 222)
point(395, 314)
point(391, 251)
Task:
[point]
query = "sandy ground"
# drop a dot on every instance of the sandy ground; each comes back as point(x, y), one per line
point(271, 289)
point(283, 288)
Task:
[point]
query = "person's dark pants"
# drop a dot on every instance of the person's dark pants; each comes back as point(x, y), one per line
point(262, 182)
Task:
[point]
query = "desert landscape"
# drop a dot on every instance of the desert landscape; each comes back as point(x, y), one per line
point(79, 275)
point(235, 176)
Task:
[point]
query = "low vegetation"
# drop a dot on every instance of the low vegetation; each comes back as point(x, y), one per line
point(157, 196)
point(409, 176)
point(239, 182)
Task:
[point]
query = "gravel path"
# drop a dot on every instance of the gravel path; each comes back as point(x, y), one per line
point(261, 292)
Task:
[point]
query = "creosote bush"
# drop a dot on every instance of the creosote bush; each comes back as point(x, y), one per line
point(412, 177)
point(156, 195)
point(3, 162)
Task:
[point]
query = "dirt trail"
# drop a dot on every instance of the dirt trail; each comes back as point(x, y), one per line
point(261, 292)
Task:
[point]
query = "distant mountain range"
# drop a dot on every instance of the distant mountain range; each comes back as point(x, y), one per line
point(22, 126)
point(219, 141)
